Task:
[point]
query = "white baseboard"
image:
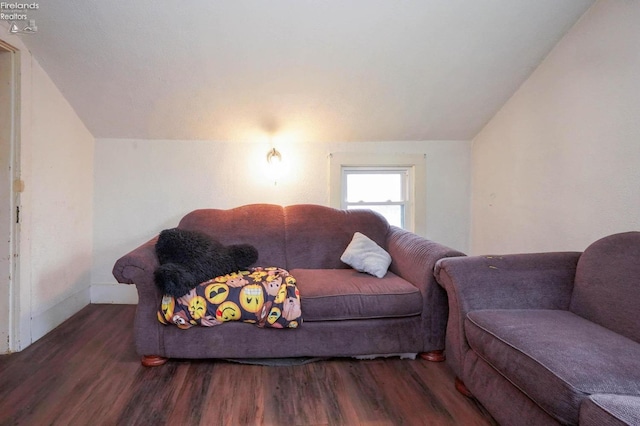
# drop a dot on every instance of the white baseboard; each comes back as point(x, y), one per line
point(110, 293)
point(44, 322)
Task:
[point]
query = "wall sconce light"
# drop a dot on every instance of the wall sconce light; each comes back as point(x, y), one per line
point(274, 156)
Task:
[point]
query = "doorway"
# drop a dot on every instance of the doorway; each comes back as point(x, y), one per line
point(8, 200)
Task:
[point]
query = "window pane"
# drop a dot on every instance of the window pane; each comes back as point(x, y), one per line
point(393, 214)
point(372, 187)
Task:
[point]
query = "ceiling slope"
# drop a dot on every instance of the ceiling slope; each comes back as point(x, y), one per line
point(309, 70)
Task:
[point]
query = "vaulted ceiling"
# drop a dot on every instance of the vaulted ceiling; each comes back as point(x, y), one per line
point(311, 70)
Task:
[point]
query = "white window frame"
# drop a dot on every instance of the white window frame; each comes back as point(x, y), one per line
point(415, 220)
point(405, 184)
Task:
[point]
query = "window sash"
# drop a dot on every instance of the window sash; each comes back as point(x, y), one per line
point(403, 202)
point(416, 212)
point(398, 218)
point(403, 172)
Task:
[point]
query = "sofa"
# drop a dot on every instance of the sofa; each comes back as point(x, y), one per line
point(345, 312)
point(548, 338)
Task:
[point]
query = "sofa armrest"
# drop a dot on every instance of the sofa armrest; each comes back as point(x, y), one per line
point(514, 281)
point(414, 258)
point(137, 267)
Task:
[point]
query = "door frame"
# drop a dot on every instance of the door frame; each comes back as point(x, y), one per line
point(16, 186)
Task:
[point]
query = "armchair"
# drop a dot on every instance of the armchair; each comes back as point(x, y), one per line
point(537, 338)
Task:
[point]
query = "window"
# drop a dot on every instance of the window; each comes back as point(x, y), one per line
point(391, 184)
point(382, 189)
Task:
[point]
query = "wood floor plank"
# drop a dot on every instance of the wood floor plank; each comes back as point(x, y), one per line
point(86, 372)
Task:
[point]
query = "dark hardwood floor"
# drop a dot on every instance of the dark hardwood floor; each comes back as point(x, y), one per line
point(86, 372)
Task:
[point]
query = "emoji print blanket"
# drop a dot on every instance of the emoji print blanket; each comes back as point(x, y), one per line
point(267, 297)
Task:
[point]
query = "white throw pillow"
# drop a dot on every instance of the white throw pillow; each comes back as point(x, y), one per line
point(364, 255)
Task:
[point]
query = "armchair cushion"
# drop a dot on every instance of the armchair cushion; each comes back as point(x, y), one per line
point(517, 281)
point(554, 356)
point(610, 410)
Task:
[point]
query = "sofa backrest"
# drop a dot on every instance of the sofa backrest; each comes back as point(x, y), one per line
point(316, 236)
point(261, 225)
point(298, 236)
point(607, 284)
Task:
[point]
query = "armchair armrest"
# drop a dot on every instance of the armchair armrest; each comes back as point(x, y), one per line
point(514, 281)
point(414, 258)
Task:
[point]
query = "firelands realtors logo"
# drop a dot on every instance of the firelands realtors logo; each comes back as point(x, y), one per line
point(19, 16)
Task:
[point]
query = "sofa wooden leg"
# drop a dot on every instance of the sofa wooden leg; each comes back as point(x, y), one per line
point(152, 360)
point(460, 387)
point(433, 356)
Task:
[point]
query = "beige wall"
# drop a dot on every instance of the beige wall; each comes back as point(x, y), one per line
point(56, 226)
point(61, 186)
point(559, 165)
point(144, 186)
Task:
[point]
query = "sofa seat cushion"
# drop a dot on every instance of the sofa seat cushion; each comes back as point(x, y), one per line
point(610, 410)
point(345, 294)
point(555, 357)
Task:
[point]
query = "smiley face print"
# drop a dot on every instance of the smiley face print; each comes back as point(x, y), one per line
point(216, 293)
point(167, 307)
point(273, 285)
point(228, 311)
point(274, 314)
point(282, 294)
point(267, 297)
point(252, 298)
point(197, 307)
point(291, 309)
point(180, 319)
